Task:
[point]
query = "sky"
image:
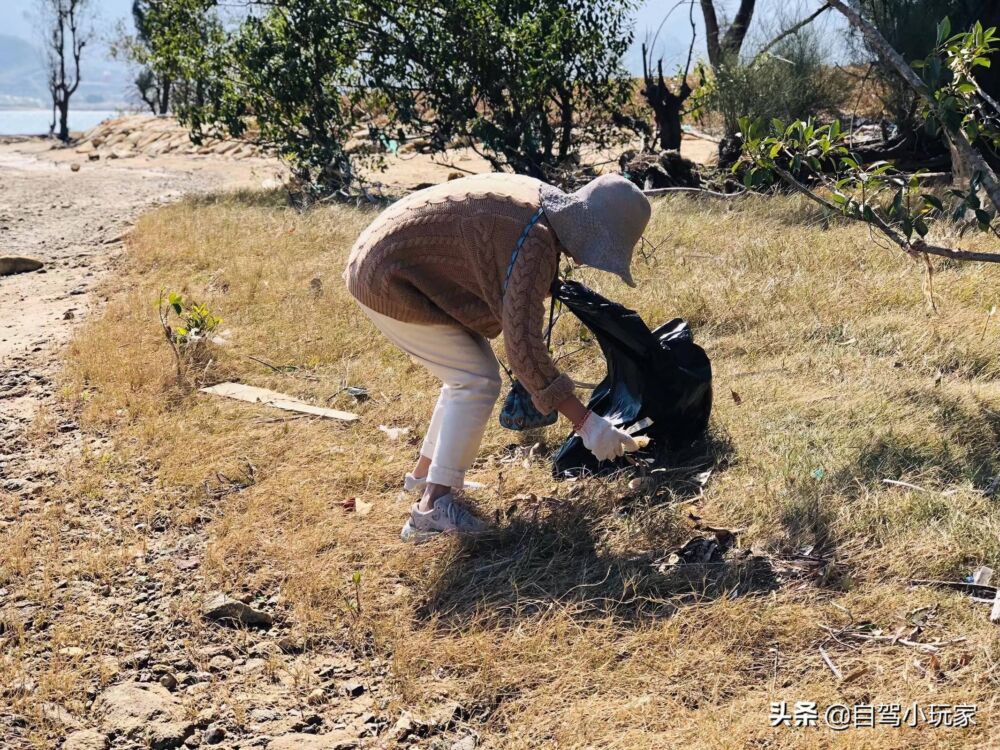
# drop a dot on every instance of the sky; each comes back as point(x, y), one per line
point(16, 16)
point(672, 43)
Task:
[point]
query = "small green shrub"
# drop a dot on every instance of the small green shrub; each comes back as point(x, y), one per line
point(190, 339)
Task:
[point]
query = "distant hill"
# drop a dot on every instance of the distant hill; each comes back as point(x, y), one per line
point(22, 74)
point(23, 80)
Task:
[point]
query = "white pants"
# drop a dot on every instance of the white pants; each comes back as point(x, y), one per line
point(470, 374)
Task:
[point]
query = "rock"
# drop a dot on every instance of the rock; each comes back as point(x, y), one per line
point(445, 716)
point(87, 739)
point(405, 726)
point(214, 734)
point(143, 711)
point(56, 714)
point(264, 649)
point(22, 685)
point(168, 735)
point(220, 663)
point(291, 645)
point(666, 169)
point(260, 715)
point(466, 743)
point(136, 660)
point(353, 688)
point(10, 265)
point(109, 668)
point(228, 611)
point(252, 665)
point(192, 678)
point(408, 725)
point(316, 697)
point(338, 740)
point(308, 724)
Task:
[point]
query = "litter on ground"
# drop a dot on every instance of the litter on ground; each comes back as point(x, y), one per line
point(254, 395)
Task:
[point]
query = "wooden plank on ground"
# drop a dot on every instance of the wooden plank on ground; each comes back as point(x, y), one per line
point(255, 395)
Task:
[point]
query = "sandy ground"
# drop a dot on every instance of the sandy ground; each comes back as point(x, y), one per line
point(74, 222)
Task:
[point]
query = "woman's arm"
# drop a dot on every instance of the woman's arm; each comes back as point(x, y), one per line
point(574, 410)
point(524, 316)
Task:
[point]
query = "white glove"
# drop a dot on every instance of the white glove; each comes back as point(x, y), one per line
point(603, 439)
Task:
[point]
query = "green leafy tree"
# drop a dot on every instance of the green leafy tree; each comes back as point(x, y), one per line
point(524, 80)
point(135, 48)
point(186, 44)
point(284, 74)
point(817, 161)
point(527, 80)
point(294, 70)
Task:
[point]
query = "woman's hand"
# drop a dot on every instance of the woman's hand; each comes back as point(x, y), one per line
point(599, 436)
point(603, 439)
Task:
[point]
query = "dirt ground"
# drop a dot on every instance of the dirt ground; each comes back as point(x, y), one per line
point(74, 221)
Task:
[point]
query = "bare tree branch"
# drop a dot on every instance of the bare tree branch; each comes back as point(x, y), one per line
point(910, 248)
point(794, 29)
point(66, 41)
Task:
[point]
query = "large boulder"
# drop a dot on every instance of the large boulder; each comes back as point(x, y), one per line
point(9, 265)
point(145, 712)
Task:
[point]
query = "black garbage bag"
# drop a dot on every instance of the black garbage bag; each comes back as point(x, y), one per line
point(660, 374)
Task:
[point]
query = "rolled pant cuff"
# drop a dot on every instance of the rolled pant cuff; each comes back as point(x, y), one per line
point(447, 477)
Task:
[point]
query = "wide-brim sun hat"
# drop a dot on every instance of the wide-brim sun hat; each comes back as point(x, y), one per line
point(599, 224)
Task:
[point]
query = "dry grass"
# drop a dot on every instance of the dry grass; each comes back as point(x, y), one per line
point(564, 631)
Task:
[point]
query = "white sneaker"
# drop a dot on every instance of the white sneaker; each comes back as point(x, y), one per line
point(447, 516)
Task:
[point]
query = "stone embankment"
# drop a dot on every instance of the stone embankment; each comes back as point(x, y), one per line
point(148, 135)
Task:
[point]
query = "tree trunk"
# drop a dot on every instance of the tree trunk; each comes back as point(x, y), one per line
point(164, 95)
point(64, 120)
point(670, 129)
point(732, 42)
point(666, 105)
point(711, 32)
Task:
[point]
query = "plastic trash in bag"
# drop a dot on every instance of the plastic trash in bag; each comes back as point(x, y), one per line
point(661, 375)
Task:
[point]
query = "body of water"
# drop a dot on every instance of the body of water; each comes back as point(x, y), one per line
point(36, 121)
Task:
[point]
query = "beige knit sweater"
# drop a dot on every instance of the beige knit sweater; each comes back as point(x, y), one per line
point(440, 256)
